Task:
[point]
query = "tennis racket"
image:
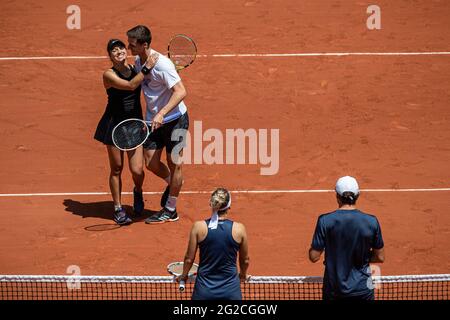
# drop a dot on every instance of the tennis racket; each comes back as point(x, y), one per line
point(182, 51)
point(176, 269)
point(130, 134)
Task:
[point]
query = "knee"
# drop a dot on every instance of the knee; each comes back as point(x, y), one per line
point(137, 170)
point(116, 170)
point(153, 164)
point(175, 169)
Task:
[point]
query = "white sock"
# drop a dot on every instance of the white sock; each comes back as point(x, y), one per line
point(171, 203)
point(117, 207)
point(167, 179)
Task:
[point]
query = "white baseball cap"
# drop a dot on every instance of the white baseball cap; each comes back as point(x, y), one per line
point(347, 184)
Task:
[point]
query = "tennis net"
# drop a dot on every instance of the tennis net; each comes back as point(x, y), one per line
point(21, 287)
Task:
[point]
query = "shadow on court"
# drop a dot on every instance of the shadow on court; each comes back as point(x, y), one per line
point(103, 210)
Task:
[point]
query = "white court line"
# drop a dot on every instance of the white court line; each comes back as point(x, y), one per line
point(52, 58)
point(6, 195)
point(325, 54)
point(247, 55)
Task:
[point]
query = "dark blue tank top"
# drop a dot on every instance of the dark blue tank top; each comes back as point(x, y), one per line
point(217, 277)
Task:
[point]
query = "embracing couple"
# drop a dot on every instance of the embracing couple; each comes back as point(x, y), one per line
point(164, 93)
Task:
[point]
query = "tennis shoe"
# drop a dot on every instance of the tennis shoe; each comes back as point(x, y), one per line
point(138, 203)
point(164, 215)
point(121, 217)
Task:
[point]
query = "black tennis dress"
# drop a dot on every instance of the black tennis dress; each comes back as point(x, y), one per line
point(122, 104)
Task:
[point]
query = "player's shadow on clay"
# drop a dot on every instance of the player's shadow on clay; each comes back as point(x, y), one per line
point(103, 210)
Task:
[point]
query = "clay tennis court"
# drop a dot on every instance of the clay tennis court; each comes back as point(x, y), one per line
point(384, 119)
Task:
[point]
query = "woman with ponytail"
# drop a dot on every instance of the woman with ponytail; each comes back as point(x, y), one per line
point(219, 240)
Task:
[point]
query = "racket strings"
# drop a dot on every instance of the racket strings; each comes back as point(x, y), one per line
point(177, 269)
point(130, 134)
point(182, 51)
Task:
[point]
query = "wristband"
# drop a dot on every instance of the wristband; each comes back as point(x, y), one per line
point(145, 70)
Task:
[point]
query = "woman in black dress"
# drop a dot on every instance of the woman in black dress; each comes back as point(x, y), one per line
point(123, 87)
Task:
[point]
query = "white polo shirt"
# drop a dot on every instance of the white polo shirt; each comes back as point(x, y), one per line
point(157, 87)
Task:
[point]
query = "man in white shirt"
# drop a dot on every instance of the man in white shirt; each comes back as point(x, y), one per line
point(164, 93)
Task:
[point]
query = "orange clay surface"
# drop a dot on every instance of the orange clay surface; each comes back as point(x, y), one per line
point(384, 120)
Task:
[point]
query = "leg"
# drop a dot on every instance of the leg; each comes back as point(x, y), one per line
point(176, 176)
point(115, 184)
point(115, 181)
point(164, 215)
point(153, 149)
point(136, 164)
point(154, 164)
point(175, 142)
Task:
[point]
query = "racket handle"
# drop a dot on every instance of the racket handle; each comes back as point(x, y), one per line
point(182, 285)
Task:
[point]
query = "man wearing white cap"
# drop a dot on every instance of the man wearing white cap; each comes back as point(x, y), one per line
point(351, 239)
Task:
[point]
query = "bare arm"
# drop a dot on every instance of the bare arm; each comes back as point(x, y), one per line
point(244, 259)
point(377, 255)
point(314, 255)
point(111, 79)
point(178, 94)
point(190, 252)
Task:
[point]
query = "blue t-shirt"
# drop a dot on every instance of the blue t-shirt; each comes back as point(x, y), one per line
point(347, 236)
